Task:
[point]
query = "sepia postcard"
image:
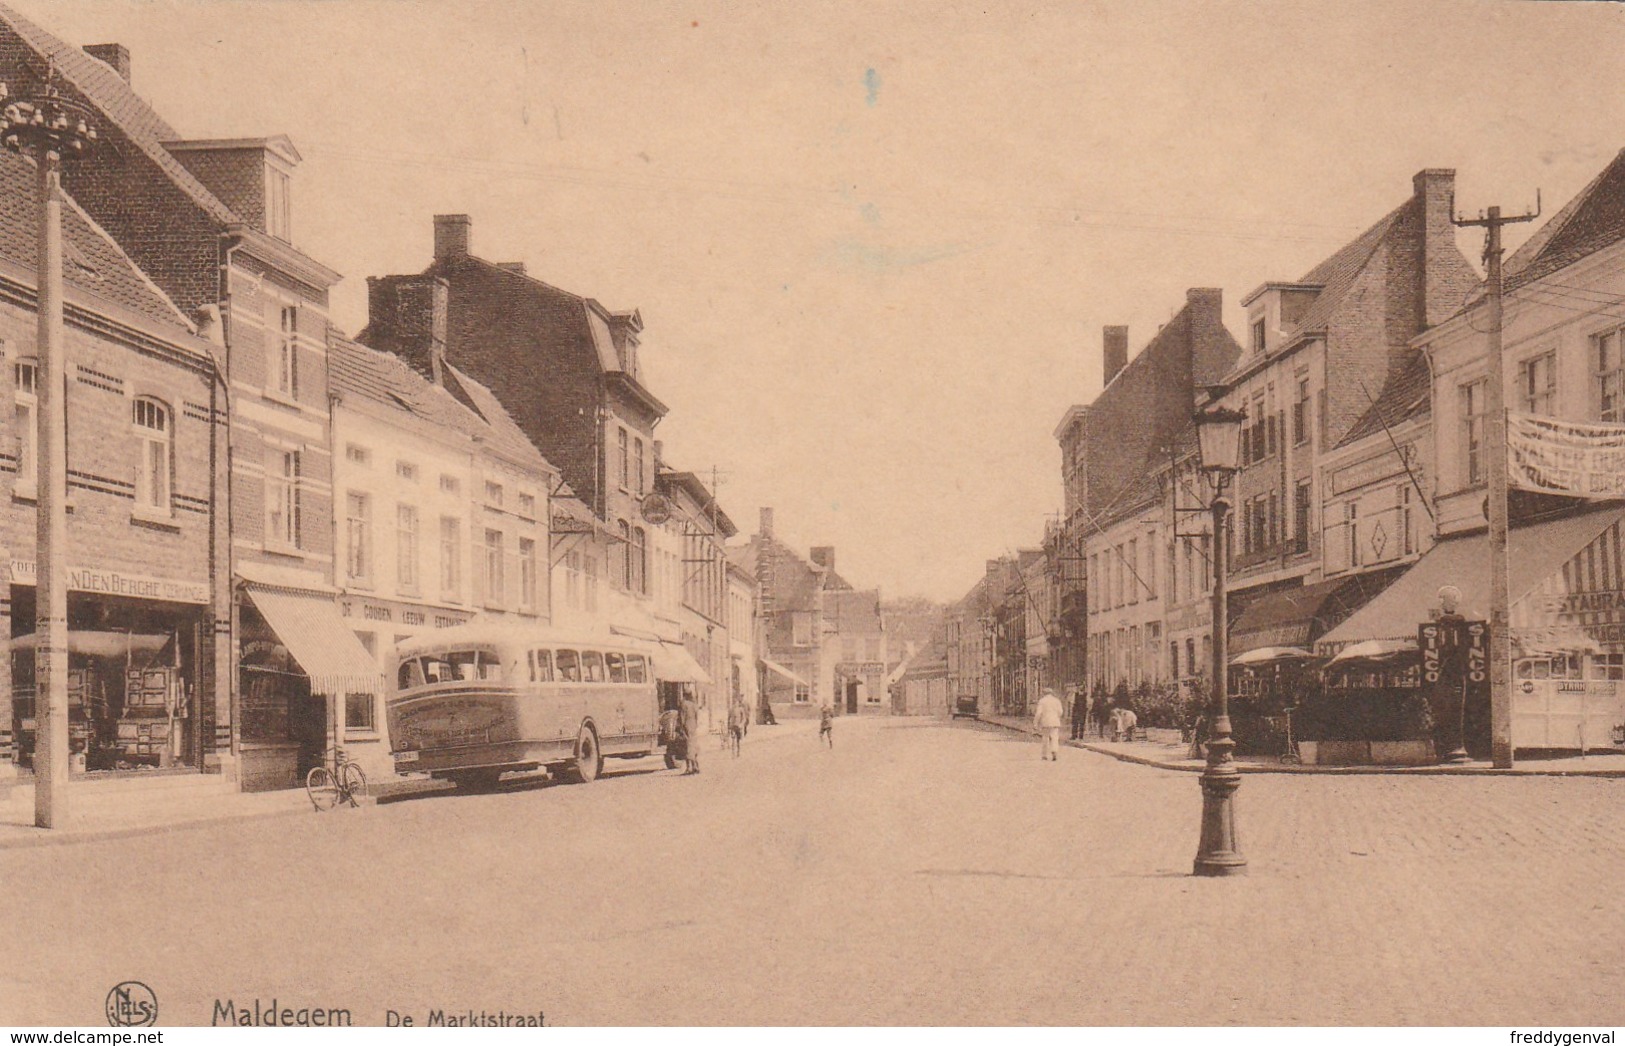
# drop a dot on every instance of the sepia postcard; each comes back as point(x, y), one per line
point(539, 513)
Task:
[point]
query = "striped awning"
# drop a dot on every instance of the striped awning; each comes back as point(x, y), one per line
point(674, 664)
point(309, 625)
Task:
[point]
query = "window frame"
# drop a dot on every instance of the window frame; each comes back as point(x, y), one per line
point(155, 447)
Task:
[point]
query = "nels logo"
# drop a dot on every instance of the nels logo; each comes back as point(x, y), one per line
point(132, 1004)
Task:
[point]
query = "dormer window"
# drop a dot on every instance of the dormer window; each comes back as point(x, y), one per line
point(278, 211)
point(1258, 335)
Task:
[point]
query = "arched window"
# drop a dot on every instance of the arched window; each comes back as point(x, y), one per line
point(25, 375)
point(151, 420)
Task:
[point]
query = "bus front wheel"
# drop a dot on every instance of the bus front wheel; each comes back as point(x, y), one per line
point(589, 760)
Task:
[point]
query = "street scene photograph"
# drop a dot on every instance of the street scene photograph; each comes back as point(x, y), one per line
point(649, 515)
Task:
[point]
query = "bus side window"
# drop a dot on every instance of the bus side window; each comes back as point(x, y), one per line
point(634, 668)
point(592, 663)
point(544, 666)
point(569, 666)
point(616, 663)
point(490, 666)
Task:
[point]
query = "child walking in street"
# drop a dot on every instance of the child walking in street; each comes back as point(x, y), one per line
point(826, 725)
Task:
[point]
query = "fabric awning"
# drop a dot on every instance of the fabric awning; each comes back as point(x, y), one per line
point(779, 670)
point(1534, 554)
point(674, 664)
point(101, 644)
point(319, 639)
point(1295, 617)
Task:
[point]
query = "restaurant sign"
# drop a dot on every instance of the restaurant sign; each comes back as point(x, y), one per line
point(118, 583)
point(1577, 459)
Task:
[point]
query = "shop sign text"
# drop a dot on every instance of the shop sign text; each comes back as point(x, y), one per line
point(118, 583)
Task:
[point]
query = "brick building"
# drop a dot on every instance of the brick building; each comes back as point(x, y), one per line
point(148, 569)
point(797, 661)
point(211, 223)
point(1330, 361)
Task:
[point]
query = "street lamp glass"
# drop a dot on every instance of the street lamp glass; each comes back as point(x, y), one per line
point(1218, 434)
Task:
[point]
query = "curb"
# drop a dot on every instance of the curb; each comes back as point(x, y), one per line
point(1331, 771)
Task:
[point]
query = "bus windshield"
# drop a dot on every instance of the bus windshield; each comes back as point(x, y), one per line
point(453, 666)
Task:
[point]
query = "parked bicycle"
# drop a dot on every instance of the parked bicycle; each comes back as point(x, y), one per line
point(341, 781)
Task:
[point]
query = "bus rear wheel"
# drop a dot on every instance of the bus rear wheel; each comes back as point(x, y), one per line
point(589, 762)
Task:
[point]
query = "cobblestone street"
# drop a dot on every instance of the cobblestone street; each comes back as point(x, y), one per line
point(918, 873)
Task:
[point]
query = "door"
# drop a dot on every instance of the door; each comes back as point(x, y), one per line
point(852, 697)
point(307, 726)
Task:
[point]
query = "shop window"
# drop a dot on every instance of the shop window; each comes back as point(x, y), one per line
point(152, 435)
point(1607, 666)
point(282, 493)
point(358, 713)
point(358, 535)
point(406, 547)
point(25, 374)
point(451, 558)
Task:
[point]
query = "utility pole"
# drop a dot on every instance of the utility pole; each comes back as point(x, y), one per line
point(50, 128)
point(1496, 453)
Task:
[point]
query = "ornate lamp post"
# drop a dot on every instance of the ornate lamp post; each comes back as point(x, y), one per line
point(1218, 433)
point(50, 129)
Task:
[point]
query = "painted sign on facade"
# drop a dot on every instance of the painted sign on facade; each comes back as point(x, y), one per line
point(119, 583)
point(1579, 459)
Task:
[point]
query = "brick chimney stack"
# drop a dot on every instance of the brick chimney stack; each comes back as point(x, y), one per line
point(451, 236)
point(765, 526)
point(824, 556)
point(1114, 342)
point(407, 316)
point(1435, 188)
point(115, 55)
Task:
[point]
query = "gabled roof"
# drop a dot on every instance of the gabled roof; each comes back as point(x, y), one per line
point(382, 377)
point(1407, 394)
point(1591, 221)
point(701, 495)
point(92, 262)
point(594, 318)
point(1336, 274)
point(113, 96)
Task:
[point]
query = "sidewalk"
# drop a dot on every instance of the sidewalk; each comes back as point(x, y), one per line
point(97, 811)
point(1166, 751)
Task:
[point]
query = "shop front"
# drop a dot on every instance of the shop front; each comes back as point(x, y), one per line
point(138, 672)
point(1566, 585)
point(302, 674)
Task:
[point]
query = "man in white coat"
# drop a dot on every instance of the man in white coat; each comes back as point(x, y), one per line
point(1047, 716)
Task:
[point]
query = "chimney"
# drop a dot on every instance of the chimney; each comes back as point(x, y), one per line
point(451, 236)
point(1114, 352)
point(1435, 189)
point(824, 556)
point(115, 55)
point(1211, 359)
point(406, 315)
point(765, 527)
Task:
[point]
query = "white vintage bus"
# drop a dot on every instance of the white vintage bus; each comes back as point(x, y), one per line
point(471, 702)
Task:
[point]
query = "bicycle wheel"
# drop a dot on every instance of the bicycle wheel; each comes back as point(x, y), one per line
point(322, 788)
point(354, 781)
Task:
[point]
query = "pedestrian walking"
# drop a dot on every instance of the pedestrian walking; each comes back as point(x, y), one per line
point(689, 723)
point(1047, 718)
point(1080, 711)
point(826, 725)
point(736, 726)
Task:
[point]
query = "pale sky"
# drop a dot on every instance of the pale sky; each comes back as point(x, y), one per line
point(874, 244)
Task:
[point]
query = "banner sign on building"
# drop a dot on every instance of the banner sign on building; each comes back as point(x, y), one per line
point(1575, 458)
